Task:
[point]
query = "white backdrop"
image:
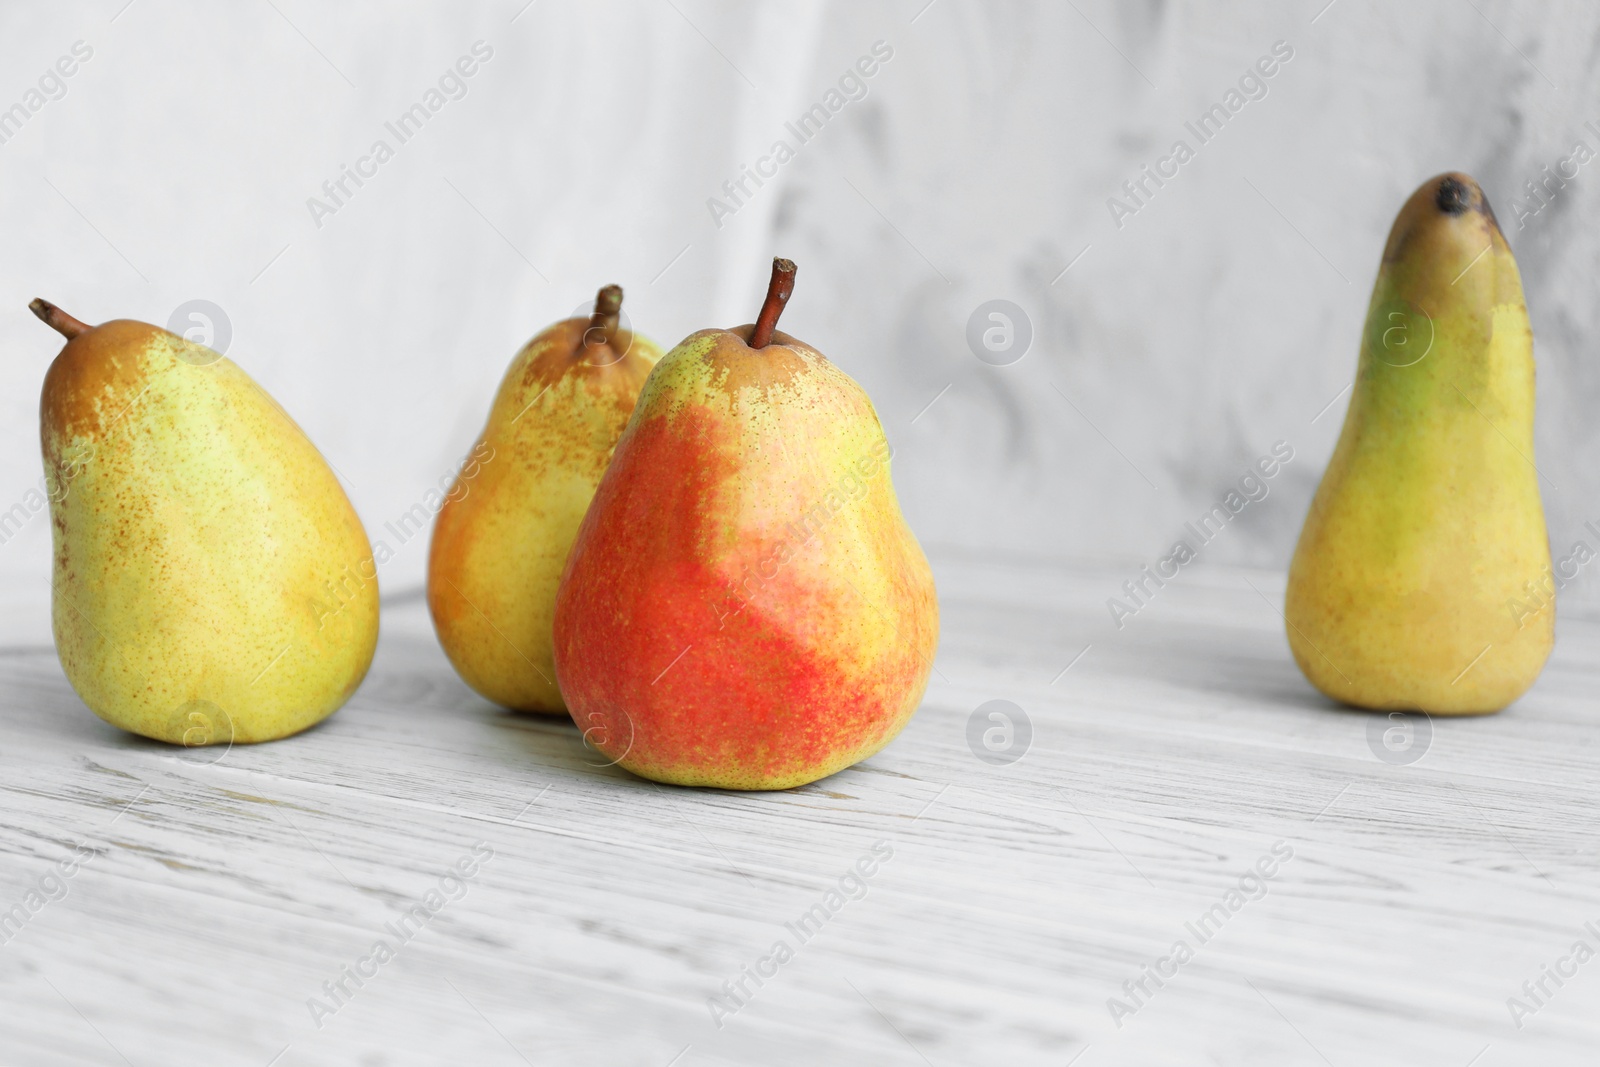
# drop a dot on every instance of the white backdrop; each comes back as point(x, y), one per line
point(177, 161)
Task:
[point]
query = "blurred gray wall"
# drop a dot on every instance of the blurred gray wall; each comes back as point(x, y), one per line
point(1171, 345)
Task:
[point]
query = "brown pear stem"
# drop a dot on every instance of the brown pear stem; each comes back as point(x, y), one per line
point(779, 290)
point(607, 312)
point(58, 320)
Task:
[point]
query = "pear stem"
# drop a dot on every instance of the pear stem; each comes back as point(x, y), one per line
point(58, 320)
point(779, 290)
point(607, 312)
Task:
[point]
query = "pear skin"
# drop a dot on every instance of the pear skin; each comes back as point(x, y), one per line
point(502, 537)
point(212, 582)
point(745, 607)
point(1410, 586)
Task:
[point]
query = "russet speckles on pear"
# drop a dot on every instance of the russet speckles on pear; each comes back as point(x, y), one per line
point(60, 475)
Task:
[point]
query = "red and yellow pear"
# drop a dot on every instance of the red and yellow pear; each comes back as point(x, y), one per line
point(744, 606)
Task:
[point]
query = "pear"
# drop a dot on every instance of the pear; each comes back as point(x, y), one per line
point(744, 606)
point(212, 582)
point(1413, 584)
point(502, 536)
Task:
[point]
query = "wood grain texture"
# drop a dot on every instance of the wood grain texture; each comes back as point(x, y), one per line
point(1019, 898)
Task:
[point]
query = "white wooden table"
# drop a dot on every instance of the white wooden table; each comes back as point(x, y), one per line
point(1019, 898)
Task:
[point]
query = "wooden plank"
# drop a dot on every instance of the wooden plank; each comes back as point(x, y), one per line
point(226, 888)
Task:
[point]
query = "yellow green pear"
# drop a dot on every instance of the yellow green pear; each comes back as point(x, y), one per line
point(501, 539)
point(1419, 580)
point(212, 582)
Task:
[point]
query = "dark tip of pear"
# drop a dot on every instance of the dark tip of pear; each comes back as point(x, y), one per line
point(1452, 197)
